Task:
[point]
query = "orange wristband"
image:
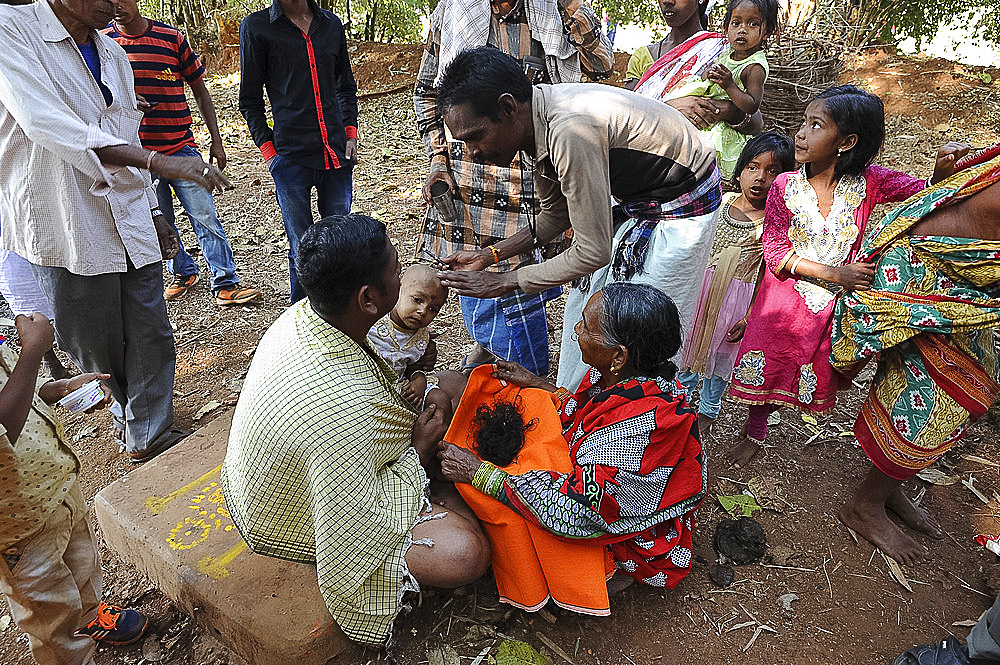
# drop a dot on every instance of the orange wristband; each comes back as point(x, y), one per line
point(496, 254)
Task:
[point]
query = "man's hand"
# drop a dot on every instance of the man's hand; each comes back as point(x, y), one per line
point(217, 152)
point(855, 276)
point(514, 373)
point(735, 333)
point(457, 464)
point(428, 430)
point(36, 334)
point(53, 391)
point(720, 75)
point(143, 104)
point(413, 391)
point(469, 259)
point(351, 150)
point(702, 113)
point(192, 169)
point(479, 284)
point(947, 155)
point(437, 176)
point(166, 235)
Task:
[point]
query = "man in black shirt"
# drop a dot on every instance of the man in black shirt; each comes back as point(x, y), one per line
point(298, 53)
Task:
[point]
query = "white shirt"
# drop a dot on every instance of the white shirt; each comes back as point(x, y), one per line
point(60, 205)
point(399, 348)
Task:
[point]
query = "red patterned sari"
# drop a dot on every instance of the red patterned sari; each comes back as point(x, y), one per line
point(638, 475)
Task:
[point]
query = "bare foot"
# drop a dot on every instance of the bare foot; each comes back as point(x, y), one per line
point(913, 515)
point(744, 451)
point(704, 424)
point(875, 526)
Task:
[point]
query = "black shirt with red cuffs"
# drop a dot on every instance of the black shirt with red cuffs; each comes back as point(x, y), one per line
point(308, 78)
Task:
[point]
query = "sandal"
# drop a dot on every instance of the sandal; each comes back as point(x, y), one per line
point(948, 651)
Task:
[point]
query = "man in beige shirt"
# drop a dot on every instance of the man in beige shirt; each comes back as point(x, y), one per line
point(589, 143)
point(49, 571)
point(77, 202)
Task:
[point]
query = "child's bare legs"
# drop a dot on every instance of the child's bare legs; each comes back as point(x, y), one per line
point(751, 440)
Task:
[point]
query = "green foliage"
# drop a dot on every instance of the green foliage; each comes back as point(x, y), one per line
point(371, 20)
point(921, 19)
point(886, 21)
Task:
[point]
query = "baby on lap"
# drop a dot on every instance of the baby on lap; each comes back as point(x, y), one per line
point(401, 337)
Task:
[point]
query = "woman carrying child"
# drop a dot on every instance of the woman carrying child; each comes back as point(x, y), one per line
point(688, 48)
point(814, 223)
point(730, 68)
point(732, 275)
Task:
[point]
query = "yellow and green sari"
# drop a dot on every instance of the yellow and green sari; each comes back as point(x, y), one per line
point(928, 319)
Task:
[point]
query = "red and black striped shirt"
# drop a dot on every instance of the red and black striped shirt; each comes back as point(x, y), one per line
point(162, 61)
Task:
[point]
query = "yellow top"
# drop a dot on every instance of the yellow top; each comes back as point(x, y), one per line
point(37, 472)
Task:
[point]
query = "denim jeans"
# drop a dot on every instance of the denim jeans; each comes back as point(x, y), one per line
point(710, 395)
point(200, 207)
point(293, 183)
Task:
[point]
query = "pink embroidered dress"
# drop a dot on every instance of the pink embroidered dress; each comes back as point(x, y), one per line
point(784, 358)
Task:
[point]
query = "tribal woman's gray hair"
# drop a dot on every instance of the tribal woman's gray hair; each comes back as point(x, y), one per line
point(644, 320)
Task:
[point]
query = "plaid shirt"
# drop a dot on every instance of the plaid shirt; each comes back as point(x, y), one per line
point(320, 468)
point(65, 207)
point(494, 202)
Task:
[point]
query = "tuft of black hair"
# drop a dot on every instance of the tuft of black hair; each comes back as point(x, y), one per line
point(499, 432)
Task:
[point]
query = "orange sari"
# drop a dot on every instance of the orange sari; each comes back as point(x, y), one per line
point(530, 564)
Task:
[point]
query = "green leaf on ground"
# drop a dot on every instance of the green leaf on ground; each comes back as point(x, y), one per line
point(739, 505)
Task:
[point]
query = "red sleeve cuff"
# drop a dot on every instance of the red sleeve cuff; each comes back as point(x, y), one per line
point(268, 150)
point(351, 132)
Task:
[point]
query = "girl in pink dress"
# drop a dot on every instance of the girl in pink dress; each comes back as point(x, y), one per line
point(814, 221)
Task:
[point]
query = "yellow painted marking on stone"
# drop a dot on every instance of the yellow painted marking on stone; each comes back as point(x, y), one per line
point(182, 536)
point(157, 504)
point(215, 566)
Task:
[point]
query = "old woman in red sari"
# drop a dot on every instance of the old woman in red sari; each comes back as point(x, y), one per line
point(638, 469)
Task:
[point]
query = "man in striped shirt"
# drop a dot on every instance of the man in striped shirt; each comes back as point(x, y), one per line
point(162, 61)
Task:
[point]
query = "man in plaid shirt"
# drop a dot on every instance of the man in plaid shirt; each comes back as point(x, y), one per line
point(325, 458)
point(557, 40)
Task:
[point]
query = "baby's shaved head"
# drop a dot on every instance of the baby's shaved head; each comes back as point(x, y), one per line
point(423, 275)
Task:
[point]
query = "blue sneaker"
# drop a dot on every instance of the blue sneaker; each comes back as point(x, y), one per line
point(115, 626)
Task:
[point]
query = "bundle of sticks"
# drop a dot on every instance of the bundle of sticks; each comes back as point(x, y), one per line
point(801, 66)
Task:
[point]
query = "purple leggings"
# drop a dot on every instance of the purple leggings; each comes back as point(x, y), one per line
point(757, 420)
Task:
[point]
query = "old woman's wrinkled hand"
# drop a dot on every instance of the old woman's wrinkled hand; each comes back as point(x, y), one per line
point(515, 373)
point(457, 464)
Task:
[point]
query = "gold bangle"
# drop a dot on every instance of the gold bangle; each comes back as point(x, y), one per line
point(562, 394)
point(149, 159)
point(795, 264)
point(496, 254)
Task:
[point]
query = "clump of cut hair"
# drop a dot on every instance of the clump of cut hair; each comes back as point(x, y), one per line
point(499, 432)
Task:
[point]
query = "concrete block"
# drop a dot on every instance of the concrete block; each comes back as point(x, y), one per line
point(169, 520)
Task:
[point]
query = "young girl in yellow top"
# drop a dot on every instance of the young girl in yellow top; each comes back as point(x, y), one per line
point(734, 69)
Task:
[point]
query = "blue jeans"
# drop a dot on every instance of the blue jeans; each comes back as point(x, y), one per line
point(710, 396)
point(200, 207)
point(293, 183)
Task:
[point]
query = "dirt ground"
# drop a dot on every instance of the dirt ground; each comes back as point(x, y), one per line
point(847, 607)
